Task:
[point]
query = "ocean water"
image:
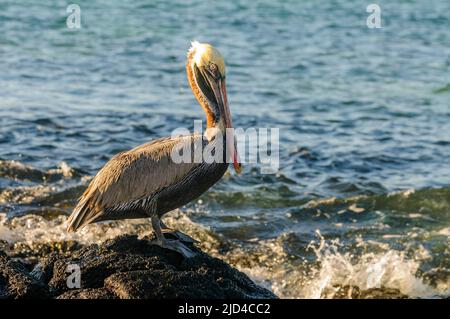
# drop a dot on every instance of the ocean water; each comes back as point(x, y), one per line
point(360, 206)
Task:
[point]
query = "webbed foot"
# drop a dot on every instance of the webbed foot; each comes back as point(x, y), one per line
point(175, 245)
point(172, 244)
point(179, 235)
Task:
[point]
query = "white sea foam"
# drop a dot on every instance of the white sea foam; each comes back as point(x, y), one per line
point(64, 169)
point(31, 229)
point(388, 269)
point(334, 270)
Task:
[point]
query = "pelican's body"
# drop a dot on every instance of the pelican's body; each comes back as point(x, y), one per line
point(143, 182)
point(146, 181)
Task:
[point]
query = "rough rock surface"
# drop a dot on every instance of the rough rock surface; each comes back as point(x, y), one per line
point(16, 282)
point(126, 267)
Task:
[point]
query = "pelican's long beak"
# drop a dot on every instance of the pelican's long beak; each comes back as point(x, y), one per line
point(220, 93)
point(231, 140)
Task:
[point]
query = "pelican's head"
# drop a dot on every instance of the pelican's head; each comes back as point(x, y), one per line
point(204, 55)
point(206, 74)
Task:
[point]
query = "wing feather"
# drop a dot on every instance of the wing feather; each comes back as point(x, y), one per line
point(130, 176)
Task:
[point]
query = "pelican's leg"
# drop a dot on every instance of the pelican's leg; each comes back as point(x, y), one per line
point(157, 229)
point(182, 237)
point(161, 241)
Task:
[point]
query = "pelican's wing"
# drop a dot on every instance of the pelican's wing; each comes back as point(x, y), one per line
point(132, 175)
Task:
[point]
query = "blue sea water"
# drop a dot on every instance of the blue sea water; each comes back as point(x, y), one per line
point(362, 197)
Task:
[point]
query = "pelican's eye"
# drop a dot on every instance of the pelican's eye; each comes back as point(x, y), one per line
point(213, 67)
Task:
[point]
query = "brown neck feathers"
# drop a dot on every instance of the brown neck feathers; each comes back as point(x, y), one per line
point(198, 95)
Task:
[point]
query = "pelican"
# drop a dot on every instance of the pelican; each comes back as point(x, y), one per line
point(146, 182)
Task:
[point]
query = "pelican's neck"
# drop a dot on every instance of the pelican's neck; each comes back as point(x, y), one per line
point(210, 118)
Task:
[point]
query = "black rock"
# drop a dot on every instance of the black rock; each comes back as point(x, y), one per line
point(127, 267)
point(16, 282)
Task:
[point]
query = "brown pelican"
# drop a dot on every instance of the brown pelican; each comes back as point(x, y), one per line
point(146, 182)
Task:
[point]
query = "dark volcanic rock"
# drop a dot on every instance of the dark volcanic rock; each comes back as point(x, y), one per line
point(127, 267)
point(89, 293)
point(16, 282)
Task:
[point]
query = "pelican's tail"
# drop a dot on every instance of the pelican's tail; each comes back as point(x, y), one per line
point(82, 215)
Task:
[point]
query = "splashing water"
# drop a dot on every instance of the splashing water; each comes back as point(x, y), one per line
point(389, 269)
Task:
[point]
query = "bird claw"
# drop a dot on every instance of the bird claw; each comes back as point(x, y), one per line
point(175, 245)
point(179, 235)
point(178, 246)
